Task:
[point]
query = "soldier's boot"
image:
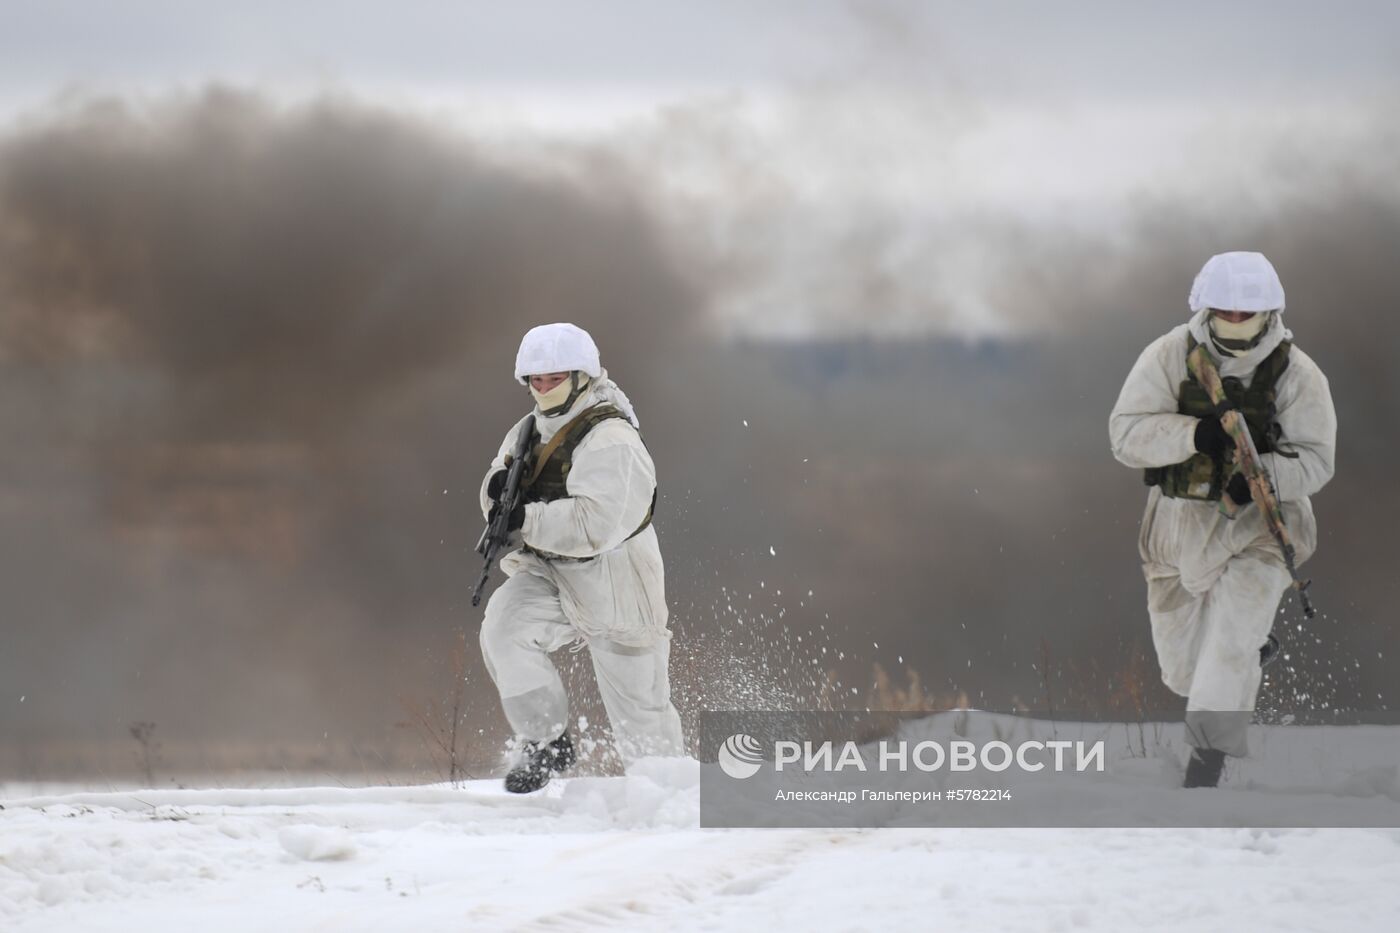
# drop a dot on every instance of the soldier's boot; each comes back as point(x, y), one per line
point(1204, 767)
point(1269, 651)
point(539, 761)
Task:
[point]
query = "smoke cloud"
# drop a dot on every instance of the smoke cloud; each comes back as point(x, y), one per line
point(254, 358)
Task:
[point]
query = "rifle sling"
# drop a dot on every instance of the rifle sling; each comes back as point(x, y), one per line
point(559, 437)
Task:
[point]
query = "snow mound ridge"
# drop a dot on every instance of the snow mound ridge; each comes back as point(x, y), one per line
point(317, 843)
point(662, 793)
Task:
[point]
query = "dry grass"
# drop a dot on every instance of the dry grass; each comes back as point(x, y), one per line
point(438, 722)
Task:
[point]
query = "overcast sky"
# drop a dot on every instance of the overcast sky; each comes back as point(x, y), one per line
point(1036, 50)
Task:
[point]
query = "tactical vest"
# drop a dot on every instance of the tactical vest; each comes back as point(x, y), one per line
point(1200, 476)
point(552, 461)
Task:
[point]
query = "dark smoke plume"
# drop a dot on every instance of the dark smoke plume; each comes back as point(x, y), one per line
point(253, 359)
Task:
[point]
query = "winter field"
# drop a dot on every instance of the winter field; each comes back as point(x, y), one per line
point(628, 853)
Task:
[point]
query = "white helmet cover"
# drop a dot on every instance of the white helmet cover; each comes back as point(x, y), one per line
point(556, 348)
point(1237, 282)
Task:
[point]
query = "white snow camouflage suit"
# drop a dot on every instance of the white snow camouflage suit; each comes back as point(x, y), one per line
point(615, 601)
point(1213, 584)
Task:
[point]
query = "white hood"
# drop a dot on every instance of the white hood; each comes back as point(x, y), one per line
point(1238, 281)
point(556, 348)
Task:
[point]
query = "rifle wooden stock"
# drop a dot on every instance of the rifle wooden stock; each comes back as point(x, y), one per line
point(1261, 486)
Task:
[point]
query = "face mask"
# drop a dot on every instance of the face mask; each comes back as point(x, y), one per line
point(559, 398)
point(1235, 339)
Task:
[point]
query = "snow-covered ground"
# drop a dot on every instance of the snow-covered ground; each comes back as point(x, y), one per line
point(627, 852)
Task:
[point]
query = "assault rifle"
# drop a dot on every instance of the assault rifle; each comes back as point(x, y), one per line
point(497, 533)
point(1261, 486)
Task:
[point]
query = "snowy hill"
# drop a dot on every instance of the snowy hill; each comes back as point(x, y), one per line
point(628, 853)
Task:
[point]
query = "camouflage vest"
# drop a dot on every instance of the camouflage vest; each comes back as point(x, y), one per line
point(1200, 476)
point(548, 479)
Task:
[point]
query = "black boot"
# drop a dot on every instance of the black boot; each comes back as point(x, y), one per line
point(539, 761)
point(1204, 767)
point(1269, 651)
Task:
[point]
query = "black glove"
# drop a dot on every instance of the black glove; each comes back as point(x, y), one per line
point(1238, 488)
point(1212, 439)
point(496, 485)
point(517, 518)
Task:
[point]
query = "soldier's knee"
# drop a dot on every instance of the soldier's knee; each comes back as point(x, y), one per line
point(495, 623)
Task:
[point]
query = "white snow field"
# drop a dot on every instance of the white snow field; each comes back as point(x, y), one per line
point(628, 853)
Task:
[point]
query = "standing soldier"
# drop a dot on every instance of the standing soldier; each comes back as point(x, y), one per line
point(1214, 583)
point(588, 569)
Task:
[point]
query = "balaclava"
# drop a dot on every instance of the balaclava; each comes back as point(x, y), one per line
point(1236, 339)
point(562, 397)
